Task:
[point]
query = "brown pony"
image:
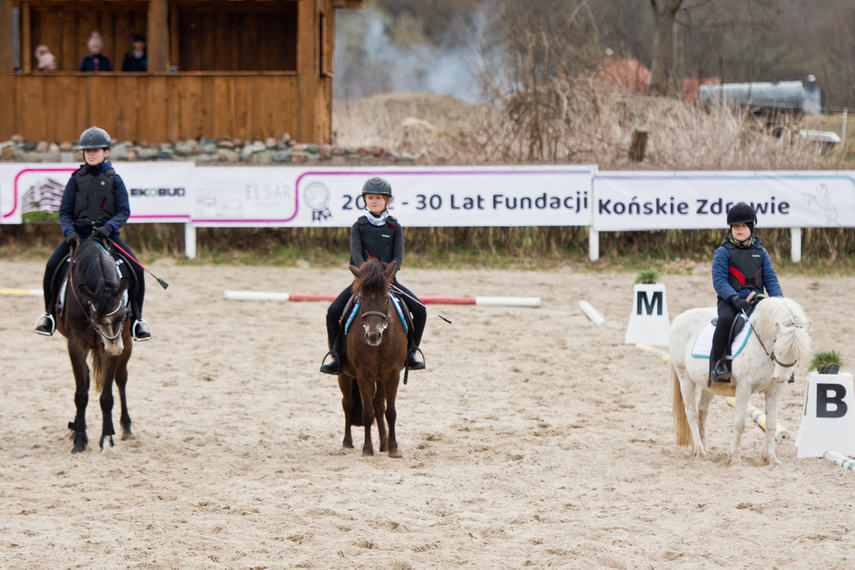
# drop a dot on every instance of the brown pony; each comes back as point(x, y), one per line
point(94, 320)
point(375, 350)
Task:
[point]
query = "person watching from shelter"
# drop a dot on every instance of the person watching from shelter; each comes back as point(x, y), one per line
point(136, 60)
point(45, 60)
point(95, 62)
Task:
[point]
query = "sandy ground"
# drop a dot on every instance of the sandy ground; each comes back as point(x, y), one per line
point(534, 439)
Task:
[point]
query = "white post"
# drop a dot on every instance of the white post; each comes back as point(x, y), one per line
point(843, 134)
point(796, 244)
point(593, 244)
point(189, 241)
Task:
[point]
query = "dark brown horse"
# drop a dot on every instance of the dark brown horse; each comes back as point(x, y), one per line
point(375, 350)
point(93, 319)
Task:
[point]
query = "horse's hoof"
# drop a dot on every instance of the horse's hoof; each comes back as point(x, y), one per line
point(78, 449)
point(106, 438)
point(395, 454)
point(735, 461)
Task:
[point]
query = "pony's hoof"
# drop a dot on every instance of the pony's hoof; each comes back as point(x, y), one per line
point(735, 461)
point(395, 454)
point(106, 438)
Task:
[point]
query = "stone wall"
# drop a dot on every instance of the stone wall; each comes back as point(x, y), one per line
point(212, 152)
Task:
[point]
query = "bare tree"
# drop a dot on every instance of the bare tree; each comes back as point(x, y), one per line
point(661, 71)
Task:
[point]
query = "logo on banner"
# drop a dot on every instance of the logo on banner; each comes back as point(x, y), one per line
point(317, 197)
point(157, 192)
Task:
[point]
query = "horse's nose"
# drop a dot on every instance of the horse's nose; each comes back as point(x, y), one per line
point(373, 336)
point(114, 348)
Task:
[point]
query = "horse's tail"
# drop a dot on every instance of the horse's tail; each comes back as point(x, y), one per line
point(96, 369)
point(678, 412)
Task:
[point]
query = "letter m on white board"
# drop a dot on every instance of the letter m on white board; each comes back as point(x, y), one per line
point(649, 305)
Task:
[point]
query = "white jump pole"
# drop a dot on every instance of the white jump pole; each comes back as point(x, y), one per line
point(840, 459)
point(481, 301)
point(592, 314)
point(759, 418)
point(33, 292)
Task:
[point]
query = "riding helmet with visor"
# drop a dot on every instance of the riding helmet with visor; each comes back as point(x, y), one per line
point(93, 137)
point(377, 185)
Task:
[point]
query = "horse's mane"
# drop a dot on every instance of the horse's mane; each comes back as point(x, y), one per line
point(372, 277)
point(792, 335)
point(89, 271)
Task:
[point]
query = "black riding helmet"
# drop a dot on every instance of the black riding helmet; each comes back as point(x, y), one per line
point(377, 185)
point(742, 213)
point(93, 137)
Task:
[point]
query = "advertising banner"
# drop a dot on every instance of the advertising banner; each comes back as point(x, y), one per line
point(627, 201)
point(157, 192)
point(427, 196)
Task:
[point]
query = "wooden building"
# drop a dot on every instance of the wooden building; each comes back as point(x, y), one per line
point(239, 68)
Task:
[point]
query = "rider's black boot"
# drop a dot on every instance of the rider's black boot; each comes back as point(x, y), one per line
point(719, 372)
point(334, 365)
point(45, 325)
point(413, 362)
point(141, 330)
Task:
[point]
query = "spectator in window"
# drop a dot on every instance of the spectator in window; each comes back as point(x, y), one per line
point(95, 61)
point(136, 59)
point(45, 60)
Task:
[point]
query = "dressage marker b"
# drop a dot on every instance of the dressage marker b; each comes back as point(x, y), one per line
point(648, 322)
point(828, 418)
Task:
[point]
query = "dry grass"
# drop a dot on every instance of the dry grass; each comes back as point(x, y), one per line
point(578, 122)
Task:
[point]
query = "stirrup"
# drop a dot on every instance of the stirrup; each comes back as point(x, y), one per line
point(146, 330)
point(328, 368)
point(52, 322)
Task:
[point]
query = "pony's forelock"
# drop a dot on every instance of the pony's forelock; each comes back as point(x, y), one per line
point(89, 271)
point(372, 277)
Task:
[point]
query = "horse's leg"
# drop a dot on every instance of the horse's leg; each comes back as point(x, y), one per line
point(366, 393)
point(121, 383)
point(743, 393)
point(108, 373)
point(773, 397)
point(345, 384)
point(703, 409)
point(391, 413)
point(81, 395)
point(690, 400)
point(379, 409)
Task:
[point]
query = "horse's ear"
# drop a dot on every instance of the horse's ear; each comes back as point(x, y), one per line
point(390, 270)
point(355, 270)
point(87, 292)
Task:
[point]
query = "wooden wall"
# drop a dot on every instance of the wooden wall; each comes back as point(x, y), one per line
point(231, 39)
point(154, 108)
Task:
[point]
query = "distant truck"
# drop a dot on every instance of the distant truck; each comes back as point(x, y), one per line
point(767, 98)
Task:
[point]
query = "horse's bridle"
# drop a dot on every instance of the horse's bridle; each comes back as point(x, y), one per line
point(771, 355)
point(375, 314)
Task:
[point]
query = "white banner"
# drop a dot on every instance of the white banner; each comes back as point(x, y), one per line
point(241, 196)
point(646, 200)
point(423, 197)
point(158, 192)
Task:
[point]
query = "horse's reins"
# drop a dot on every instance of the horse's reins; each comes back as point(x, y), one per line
point(771, 355)
point(399, 291)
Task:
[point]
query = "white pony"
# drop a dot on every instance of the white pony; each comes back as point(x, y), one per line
point(780, 338)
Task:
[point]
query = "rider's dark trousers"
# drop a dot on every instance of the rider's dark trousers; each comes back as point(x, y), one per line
point(726, 315)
